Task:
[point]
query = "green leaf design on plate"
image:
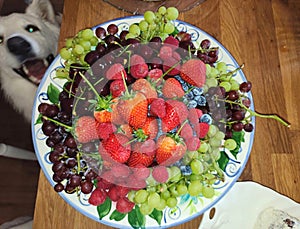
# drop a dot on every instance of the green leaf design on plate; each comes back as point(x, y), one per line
point(223, 160)
point(239, 138)
point(136, 219)
point(157, 215)
point(104, 209)
point(39, 120)
point(53, 94)
point(116, 215)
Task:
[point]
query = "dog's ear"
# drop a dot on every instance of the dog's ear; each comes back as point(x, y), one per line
point(42, 9)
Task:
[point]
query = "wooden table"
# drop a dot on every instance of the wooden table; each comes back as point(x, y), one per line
point(265, 35)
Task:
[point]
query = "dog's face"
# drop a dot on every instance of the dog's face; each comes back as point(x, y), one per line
point(28, 44)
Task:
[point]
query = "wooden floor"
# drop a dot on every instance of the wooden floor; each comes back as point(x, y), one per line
point(18, 184)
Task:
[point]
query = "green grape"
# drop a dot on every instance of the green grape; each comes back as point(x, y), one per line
point(194, 177)
point(143, 25)
point(81, 59)
point(230, 144)
point(162, 10)
point(211, 82)
point(69, 42)
point(172, 13)
point(163, 36)
point(197, 167)
point(173, 191)
point(169, 28)
point(222, 67)
point(225, 77)
point(195, 188)
point(181, 189)
point(87, 34)
point(165, 194)
point(203, 147)
point(205, 88)
point(145, 209)
point(234, 85)
point(220, 135)
point(154, 199)
point(174, 174)
point(86, 45)
point(162, 187)
point(65, 53)
point(134, 29)
point(78, 49)
point(162, 205)
point(149, 16)
point(130, 35)
point(131, 195)
point(62, 73)
point(210, 178)
point(216, 154)
point(226, 85)
point(208, 69)
point(141, 196)
point(213, 73)
point(172, 202)
point(215, 142)
point(94, 41)
point(208, 191)
point(213, 129)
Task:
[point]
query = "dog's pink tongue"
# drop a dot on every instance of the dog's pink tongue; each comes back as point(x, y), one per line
point(35, 69)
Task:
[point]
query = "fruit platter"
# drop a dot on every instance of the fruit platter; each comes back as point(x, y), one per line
point(143, 121)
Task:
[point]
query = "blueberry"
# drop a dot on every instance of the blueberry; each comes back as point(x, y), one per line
point(186, 170)
point(197, 91)
point(200, 99)
point(190, 95)
point(206, 118)
point(192, 104)
point(185, 87)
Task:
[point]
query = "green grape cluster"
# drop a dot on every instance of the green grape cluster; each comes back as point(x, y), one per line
point(155, 24)
point(78, 46)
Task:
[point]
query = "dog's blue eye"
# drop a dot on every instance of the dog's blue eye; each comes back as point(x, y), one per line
point(31, 28)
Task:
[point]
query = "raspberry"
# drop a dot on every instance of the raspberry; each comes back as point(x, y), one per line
point(141, 172)
point(139, 70)
point(203, 129)
point(158, 108)
point(172, 41)
point(117, 88)
point(115, 72)
point(136, 59)
point(160, 174)
point(113, 193)
point(122, 190)
point(120, 170)
point(155, 73)
point(192, 143)
point(124, 205)
point(165, 52)
point(97, 197)
point(186, 131)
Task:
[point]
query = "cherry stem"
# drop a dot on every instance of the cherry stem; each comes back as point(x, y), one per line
point(170, 69)
point(58, 123)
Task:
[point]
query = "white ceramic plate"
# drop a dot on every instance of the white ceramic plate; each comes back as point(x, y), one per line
point(241, 207)
point(188, 207)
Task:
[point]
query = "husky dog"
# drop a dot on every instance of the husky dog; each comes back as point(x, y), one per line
point(28, 44)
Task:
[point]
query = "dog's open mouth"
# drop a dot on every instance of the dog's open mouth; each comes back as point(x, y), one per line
point(34, 69)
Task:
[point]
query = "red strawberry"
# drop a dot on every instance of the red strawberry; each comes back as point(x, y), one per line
point(134, 109)
point(193, 72)
point(97, 197)
point(148, 131)
point(139, 70)
point(126, 130)
point(115, 72)
point(115, 147)
point(172, 89)
point(202, 129)
point(117, 88)
point(160, 174)
point(146, 88)
point(116, 118)
point(124, 205)
point(142, 153)
point(102, 111)
point(158, 108)
point(104, 129)
point(85, 129)
point(176, 113)
point(102, 116)
point(171, 66)
point(169, 150)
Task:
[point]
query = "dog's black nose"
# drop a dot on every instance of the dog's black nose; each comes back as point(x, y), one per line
point(18, 46)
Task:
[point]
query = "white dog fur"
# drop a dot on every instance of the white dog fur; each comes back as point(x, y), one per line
point(37, 30)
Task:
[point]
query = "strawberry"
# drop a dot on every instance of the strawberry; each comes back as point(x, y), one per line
point(193, 72)
point(97, 197)
point(160, 174)
point(124, 205)
point(117, 88)
point(104, 129)
point(126, 130)
point(176, 113)
point(171, 66)
point(115, 117)
point(172, 89)
point(102, 112)
point(102, 116)
point(142, 154)
point(148, 131)
point(146, 88)
point(115, 147)
point(158, 108)
point(139, 70)
point(115, 72)
point(85, 129)
point(134, 109)
point(169, 150)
